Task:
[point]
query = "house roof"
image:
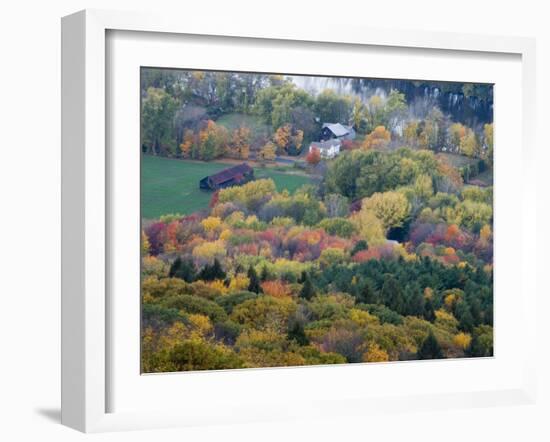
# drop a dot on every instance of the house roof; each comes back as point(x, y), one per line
point(351, 130)
point(337, 129)
point(230, 173)
point(326, 144)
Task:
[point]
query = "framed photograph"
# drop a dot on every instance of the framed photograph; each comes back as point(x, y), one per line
point(262, 224)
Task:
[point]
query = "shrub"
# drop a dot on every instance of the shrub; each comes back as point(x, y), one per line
point(198, 354)
point(275, 288)
point(194, 304)
point(264, 313)
point(229, 302)
point(338, 226)
point(383, 313)
point(157, 316)
point(332, 256)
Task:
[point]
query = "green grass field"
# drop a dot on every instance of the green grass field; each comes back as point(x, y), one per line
point(172, 186)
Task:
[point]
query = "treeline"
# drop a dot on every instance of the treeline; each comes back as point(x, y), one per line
point(468, 103)
point(213, 140)
point(179, 110)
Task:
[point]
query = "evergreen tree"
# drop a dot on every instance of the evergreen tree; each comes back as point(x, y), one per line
point(464, 316)
point(183, 269)
point(217, 270)
point(392, 295)
point(429, 311)
point(212, 272)
point(430, 348)
point(254, 285)
point(488, 316)
point(359, 245)
point(174, 267)
point(475, 309)
point(367, 294)
point(481, 346)
point(307, 290)
point(296, 332)
point(415, 300)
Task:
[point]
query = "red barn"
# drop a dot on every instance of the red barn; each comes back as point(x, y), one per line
point(231, 176)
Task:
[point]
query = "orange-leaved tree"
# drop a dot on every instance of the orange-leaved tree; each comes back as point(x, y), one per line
point(379, 138)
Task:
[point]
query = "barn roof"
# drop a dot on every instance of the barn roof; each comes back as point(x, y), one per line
point(230, 173)
point(337, 129)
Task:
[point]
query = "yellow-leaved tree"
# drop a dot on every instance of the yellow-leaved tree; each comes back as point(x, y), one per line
point(391, 208)
point(488, 141)
point(201, 323)
point(211, 224)
point(282, 136)
point(268, 152)
point(455, 133)
point(375, 353)
point(187, 143)
point(210, 250)
point(369, 227)
point(240, 143)
point(239, 282)
point(249, 194)
point(485, 233)
point(289, 139)
point(410, 133)
point(357, 112)
point(468, 144)
point(145, 244)
point(462, 340)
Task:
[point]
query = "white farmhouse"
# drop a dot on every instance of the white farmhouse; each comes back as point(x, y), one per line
point(328, 149)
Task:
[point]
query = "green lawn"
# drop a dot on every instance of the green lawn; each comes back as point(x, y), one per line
point(172, 186)
point(283, 180)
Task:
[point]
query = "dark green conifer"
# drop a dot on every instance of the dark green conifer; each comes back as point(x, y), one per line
point(392, 295)
point(429, 311)
point(183, 269)
point(430, 348)
point(307, 291)
point(254, 285)
point(296, 332)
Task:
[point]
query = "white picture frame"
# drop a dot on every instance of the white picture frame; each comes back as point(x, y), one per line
point(86, 201)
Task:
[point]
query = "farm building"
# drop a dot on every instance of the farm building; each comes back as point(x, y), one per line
point(328, 149)
point(337, 131)
point(231, 176)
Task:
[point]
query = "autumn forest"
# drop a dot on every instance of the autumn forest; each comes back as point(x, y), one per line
point(292, 221)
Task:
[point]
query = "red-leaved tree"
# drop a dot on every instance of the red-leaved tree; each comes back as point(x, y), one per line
point(313, 157)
